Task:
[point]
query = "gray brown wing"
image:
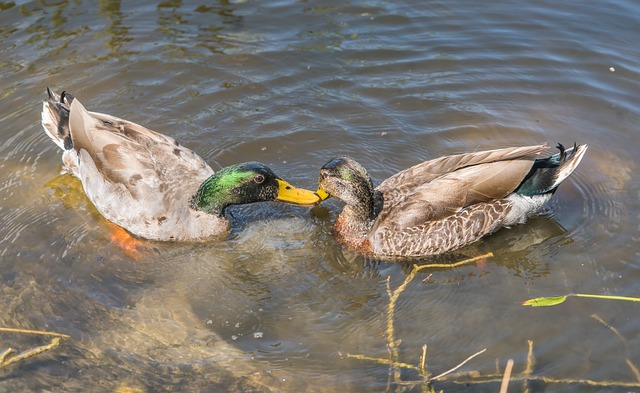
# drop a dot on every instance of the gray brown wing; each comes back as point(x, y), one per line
point(407, 180)
point(143, 161)
point(439, 188)
point(437, 237)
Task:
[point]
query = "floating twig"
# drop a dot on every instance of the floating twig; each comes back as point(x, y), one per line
point(507, 375)
point(634, 369)
point(458, 366)
point(393, 298)
point(610, 327)
point(28, 331)
point(526, 376)
point(383, 361)
point(6, 359)
point(389, 333)
point(588, 382)
point(32, 352)
point(6, 353)
point(392, 344)
point(475, 378)
point(531, 360)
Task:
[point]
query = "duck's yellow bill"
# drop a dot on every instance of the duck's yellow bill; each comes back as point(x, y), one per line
point(290, 194)
point(322, 194)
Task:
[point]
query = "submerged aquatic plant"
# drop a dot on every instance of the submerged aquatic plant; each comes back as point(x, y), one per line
point(524, 377)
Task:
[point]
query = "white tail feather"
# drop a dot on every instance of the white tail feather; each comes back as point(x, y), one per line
point(50, 121)
point(571, 163)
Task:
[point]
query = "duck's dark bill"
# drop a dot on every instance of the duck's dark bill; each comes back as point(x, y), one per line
point(290, 194)
point(322, 194)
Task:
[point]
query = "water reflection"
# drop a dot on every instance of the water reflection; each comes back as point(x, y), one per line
point(117, 32)
point(186, 29)
point(275, 305)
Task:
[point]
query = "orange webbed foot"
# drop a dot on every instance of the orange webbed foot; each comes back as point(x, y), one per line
point(124, 240)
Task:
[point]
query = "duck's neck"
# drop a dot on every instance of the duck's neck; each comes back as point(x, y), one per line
point(210, 199)
point(356, 220)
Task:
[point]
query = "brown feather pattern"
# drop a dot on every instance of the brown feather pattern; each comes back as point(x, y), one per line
point(137, 178)
point(438, 205)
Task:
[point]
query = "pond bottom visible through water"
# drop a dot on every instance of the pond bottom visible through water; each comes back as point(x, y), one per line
point(251, 313)
point(280, 305)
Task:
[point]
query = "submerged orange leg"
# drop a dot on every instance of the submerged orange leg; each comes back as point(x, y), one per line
point(125, 241)
point(482, 263)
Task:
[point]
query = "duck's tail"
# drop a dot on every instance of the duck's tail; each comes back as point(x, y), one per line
point(547, 173)
point(55, 118)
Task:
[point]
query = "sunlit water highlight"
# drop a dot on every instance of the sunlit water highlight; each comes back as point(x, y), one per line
point(292, 85)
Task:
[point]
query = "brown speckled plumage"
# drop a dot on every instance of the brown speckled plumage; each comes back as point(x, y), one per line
point(442, 204)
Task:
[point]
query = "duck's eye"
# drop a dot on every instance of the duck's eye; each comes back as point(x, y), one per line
point(259, 179)
point(323, 174)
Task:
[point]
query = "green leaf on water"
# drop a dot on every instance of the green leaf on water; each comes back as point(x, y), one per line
point(544, 301)
point(554, 300)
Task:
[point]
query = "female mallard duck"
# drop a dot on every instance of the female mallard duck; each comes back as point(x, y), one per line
point(147, 182)
point(443, 204)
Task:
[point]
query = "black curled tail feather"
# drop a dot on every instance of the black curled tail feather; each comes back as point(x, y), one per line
point(55, 118)
point(563, 151)
point(547, 173)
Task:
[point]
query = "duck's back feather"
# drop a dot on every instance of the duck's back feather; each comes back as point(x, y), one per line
point(137, 178)
point(436, 189)
point(435, 237)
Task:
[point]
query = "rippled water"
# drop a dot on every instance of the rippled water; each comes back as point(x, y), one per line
point(278, 305)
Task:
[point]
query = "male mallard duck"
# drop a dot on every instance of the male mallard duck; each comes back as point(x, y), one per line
point(443, 204)
point(147, 182)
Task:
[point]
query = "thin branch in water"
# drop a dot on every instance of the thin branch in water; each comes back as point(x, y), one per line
point(382, 361)
point(507, 375)
point(423, 358)
point(610, 327)
point(393, 344)
point(531, 360)
point(393, 298)
point(458, 366)
point(634, 369)
point(547, 380)
point(28, 331)
point(452, 265)
point(527, 376)
point(6, 353)
point(389, 293)
point(32, 352)
point(390, 332)
point(390, 371)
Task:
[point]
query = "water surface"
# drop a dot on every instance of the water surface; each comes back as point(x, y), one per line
point(278, 305)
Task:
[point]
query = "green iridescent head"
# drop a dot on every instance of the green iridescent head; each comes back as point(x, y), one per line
point(246, 183)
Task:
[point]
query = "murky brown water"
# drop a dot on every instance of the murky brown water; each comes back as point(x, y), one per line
point(293, 84)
